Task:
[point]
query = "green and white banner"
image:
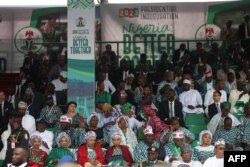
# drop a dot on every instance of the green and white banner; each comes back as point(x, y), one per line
point(81, 63)
point(154, 24)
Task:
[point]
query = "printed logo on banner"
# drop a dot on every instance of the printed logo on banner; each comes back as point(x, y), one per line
point(128, 12)
point(80, 22)
point(209, 32)
point(80, 38)
point(150, 12)
point(236, 158)
point(28, 39)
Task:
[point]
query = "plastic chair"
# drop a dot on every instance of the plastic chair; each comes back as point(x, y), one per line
point(197, 129)
point(194, 119)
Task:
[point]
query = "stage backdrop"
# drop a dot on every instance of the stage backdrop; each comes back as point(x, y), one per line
point(81, 63)
point(155, 23)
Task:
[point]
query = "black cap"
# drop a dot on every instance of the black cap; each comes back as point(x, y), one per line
point(41, 121)
point(16, 114)
point(155, 149)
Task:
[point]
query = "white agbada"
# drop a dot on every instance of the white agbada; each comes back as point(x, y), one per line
point(214, 162)
point(234, 96)
point(214, 122)
point(47, 137)
point(29, 123)
point(209, 97)
point(191, 97)
point(191, 163)
point(59, 85)
point(4, 137)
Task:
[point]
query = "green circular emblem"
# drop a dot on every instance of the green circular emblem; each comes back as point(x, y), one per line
point(28, 39)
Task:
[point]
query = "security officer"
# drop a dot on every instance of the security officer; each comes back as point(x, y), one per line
point(19, 137)
point(153, 159)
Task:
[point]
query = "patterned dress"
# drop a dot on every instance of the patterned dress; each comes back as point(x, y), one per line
point(186, 132)
point(245, 129)
point(91, 153)
point(56, 154)
point(141, 153)
point(204, 153)
point(76, 135)
point(116, 155)
point(36, 156)
point(231, 136)
point(130, 139)
point(51, 115)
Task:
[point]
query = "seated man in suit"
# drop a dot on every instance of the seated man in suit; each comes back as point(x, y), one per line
point(171, 108)
point(214, 108)
point(5, 108)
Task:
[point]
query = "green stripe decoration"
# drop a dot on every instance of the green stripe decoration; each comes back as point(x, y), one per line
point(80, 4)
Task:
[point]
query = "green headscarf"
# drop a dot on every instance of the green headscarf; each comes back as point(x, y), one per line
point(125, 107)
point(225, 105)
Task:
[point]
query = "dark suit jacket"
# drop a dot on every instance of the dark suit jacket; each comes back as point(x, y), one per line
point(242, 32)
point(163, 112)
point(212, 110)
point(119, 75)
point(7, 107)
point(176, 55)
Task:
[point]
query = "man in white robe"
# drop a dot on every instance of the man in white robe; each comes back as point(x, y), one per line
point(46, 135)
point(239, 94)
point(218, 159)
point(28, 121)
point(217, 121)
point(191, 99)
point(186, 154)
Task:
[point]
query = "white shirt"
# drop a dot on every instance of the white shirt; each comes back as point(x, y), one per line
point(59, 85)
point(169, 103)
point(209, 97)
point(108, 86)
point(5, 135)
point(190, 164)
point(234, 96)
point(124, 75)
point(47, 137)
point(29, 123)
point(214, 162)
point(191, 97)
point(209, 85)
point(22, 165)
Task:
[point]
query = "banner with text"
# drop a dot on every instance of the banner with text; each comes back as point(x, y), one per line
point(81, 63)
point(153, 25)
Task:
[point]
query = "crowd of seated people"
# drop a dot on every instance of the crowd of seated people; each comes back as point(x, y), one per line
point(142, 114)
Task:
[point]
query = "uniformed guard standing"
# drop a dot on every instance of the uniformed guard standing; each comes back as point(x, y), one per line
point(19, 137)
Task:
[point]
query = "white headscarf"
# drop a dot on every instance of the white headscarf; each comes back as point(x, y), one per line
point(90, 134)
point(60, 136)
point(35, 137)
point(203, 133)
point(91, 116)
